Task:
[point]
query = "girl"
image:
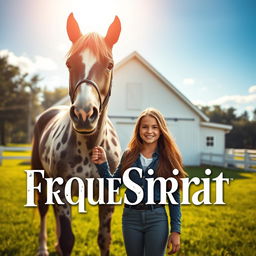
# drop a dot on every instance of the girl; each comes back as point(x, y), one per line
point(145, 227)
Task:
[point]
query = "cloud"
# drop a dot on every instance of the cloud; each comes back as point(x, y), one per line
point(229, 100)
point(27, 65)
point(250, 108)
point(42, 63)
point(239, 102)
point(199, 102)
point(234, 99)
point(252, 89)
point(188, 81)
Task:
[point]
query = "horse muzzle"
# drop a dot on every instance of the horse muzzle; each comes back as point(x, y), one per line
point(84, 119)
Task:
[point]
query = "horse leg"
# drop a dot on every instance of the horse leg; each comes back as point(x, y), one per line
point(57, 246)
point(65, 235)
point(104, 235)
point(43, 208)
point(41, 196)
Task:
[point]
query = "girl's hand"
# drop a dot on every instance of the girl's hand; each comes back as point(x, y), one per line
point(98, 155)
point(174, 240)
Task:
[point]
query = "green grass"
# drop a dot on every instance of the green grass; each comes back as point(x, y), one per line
point(206, 230)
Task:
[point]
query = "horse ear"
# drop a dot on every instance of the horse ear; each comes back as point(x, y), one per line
point(113, 32)
point(73, 28)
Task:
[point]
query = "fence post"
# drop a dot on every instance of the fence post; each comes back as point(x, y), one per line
point(223, 159)
point(246, 160)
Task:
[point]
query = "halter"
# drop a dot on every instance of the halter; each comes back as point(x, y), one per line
point(96, 87)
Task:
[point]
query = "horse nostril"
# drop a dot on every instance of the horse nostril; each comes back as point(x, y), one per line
point(94, 114)
point(73, 113)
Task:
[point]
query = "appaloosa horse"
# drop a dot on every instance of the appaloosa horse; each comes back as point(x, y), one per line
point(65, 136)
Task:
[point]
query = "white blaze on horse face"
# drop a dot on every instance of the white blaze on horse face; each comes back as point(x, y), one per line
point(88, 60)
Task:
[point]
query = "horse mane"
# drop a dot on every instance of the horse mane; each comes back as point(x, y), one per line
point(95, 43)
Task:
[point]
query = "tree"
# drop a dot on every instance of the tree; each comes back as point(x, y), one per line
point(218, 115)
point(18, 102)
point(244, 116)
point(243, 134)
point(254, 115)
point(52, 97)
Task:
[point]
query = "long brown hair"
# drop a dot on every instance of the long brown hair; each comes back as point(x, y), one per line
point(169, 154)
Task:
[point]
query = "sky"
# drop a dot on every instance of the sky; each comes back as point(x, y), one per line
point(205, 48)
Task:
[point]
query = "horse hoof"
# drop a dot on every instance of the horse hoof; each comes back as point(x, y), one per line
point(42, 253)
point(57, 249)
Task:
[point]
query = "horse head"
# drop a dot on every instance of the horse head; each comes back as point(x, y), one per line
point(90, 65)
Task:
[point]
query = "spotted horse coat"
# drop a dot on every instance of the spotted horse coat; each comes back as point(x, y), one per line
point(64, 136)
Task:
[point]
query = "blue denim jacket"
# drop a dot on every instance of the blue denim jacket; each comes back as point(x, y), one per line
point(174, 210)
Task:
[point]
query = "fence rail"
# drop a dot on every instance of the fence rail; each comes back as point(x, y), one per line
point(236, 158)
point(13, 149)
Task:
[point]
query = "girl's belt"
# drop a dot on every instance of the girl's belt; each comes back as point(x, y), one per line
point(143, 206)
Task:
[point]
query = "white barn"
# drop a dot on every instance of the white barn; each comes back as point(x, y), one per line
point(137, 85)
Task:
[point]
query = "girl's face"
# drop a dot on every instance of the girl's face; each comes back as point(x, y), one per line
point(149, 130)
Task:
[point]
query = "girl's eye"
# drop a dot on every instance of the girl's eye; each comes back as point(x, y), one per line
point(110, 66)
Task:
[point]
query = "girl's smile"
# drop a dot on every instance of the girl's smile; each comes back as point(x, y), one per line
point(149, 130)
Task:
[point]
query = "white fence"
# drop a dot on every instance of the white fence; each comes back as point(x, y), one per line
point(13, 149)
point(236, 158)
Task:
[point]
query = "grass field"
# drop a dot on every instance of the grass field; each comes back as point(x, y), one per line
point(228, 230)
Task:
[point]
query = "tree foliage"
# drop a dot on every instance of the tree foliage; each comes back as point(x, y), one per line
point(18, 103)
point(21, 101)
point(52, 97)
point(243, 134)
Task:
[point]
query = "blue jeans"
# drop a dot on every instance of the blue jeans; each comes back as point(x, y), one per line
point(145, 231)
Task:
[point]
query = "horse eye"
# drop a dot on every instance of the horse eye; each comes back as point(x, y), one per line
point(110, 66)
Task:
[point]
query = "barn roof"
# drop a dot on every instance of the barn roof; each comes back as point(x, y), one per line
point(144, 62)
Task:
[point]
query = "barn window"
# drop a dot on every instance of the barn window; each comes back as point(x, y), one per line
point(134, 96)
point(209, 141)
